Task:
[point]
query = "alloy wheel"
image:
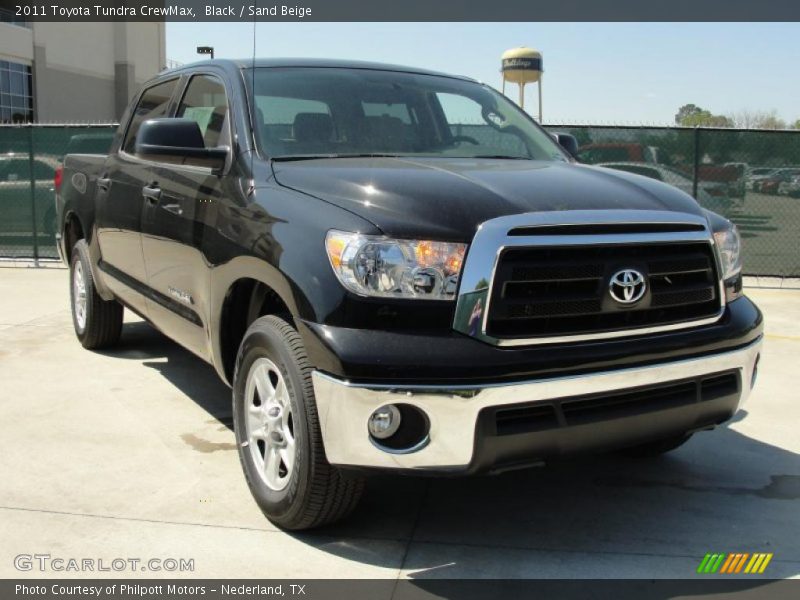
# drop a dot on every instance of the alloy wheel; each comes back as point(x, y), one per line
point(269, 425)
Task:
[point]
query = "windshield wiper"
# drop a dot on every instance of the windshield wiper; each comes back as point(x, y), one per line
point(291, 157)
point(501, 156)
point(296, 157)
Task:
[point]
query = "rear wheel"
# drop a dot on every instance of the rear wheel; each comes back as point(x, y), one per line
point(657, 447)
point(97, 322)
point(278, 433)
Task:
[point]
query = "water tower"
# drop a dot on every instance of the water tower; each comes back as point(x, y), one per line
point(523, 65)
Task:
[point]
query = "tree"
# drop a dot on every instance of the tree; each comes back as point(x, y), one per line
point(706, 119)
point(758, 119)
point(691, 115)
point(686, 111)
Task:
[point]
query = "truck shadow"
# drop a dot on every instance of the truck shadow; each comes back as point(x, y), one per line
point(190, 374)
point(601, 516)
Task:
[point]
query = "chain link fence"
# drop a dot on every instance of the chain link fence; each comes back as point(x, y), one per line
point(750, 176)
point(29, 158)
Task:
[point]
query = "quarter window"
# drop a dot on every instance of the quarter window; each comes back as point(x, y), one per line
point(153, 103)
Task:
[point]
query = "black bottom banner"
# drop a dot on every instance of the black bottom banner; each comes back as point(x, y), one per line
point(406, 589)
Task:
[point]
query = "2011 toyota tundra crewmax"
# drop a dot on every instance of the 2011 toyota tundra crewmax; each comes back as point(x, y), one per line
point(399, 270)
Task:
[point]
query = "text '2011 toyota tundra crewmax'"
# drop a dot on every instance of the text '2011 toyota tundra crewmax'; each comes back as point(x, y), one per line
point(397, 269)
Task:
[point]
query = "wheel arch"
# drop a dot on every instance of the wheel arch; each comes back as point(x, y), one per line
point(73, 231)
point(243, 291)
point(77, 227)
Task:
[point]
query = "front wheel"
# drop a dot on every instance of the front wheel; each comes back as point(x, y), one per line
point(278, 433)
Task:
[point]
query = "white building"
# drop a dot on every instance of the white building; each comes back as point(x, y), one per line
point(74, 72)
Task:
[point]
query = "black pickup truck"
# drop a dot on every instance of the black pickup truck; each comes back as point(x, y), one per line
point(399, 270)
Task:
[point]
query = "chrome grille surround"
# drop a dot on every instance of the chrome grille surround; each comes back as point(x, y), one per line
point(494, 236)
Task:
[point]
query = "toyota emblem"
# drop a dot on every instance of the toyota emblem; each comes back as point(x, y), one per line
point(627, 286)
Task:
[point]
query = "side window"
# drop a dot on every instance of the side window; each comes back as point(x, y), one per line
point(153, 103)
point(205, 103)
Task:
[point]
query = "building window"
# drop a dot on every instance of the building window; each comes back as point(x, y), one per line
point(8, 16)
point(16, 93)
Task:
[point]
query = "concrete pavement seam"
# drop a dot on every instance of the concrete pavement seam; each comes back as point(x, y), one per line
point(408, 541)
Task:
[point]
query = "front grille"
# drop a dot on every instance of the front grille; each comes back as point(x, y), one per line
point(569, 412)
point(546, 291)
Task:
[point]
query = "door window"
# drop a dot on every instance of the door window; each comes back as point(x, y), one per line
point(153, 103)
point(206, 104)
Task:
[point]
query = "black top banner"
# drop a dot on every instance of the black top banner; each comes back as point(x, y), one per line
point(401, 11)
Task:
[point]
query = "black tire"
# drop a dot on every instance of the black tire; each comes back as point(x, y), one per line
point(657, 447)
point(316, 493)
point(102, 321)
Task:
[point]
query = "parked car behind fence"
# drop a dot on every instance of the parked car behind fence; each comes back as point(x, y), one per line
point(771, 184)
point(790, 188)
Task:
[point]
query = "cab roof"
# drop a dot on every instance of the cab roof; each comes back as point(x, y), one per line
point(246, 63)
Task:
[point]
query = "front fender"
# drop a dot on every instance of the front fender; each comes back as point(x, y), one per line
point(277, 239)
point(223, 277)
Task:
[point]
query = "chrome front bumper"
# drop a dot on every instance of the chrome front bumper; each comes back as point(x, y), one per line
point(344, 408)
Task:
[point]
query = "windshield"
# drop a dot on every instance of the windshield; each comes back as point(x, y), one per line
point(310, 112)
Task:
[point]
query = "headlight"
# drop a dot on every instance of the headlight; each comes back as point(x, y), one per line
point(379, 266)
point(729, 246)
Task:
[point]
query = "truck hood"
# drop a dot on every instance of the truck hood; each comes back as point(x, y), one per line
point(448, 198)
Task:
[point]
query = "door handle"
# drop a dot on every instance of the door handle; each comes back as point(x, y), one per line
point(103, 183)
point(174, 208)
point(151, 193)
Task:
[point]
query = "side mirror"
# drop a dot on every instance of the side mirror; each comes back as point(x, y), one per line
point(568, 143)
point(177, 141)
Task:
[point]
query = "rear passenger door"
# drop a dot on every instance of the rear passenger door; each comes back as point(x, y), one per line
point(120, 203)
point(177, 221)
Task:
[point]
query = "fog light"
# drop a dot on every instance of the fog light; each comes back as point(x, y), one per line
point(384, 422)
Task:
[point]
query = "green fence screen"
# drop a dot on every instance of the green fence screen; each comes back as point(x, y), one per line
point(29, 157)
point(750, 176)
